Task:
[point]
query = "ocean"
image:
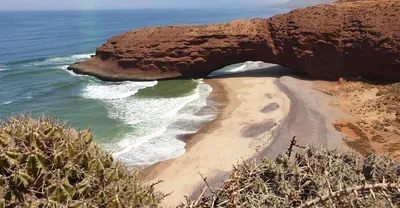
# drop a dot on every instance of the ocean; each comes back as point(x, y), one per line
point(138, 122)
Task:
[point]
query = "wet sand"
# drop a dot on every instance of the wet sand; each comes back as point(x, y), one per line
point(310, 119)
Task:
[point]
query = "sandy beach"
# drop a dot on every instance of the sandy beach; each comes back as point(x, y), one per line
point(253, 111)
point(263, 109)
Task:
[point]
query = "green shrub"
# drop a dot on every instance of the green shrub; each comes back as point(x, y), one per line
point(382, 92)
point(314, 178)
point(44, 164)
point(357, 130)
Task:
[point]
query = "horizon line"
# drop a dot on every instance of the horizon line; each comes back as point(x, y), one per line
point(274, 7)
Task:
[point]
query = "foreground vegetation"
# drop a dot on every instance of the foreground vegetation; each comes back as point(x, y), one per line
point(45, 164)
point(314, 178)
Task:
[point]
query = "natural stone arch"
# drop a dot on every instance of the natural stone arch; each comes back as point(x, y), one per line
point(326, 41)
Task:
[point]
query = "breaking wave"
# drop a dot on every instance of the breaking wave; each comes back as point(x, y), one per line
point(158, 122)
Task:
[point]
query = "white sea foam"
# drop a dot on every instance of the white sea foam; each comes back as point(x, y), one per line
point(68, 59)
point(155, 137)
point(64, 60)
point(26, 97)
point(65, 68)
point(115, 91)
point(145, 111)
point(236, 68)
point(144, 148)
point(152, 151)
point(246, 66)
point(7, 102)
point(3, 68)
point(131, 141)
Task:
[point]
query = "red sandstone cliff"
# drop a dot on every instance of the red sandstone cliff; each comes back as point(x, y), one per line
point(174, 51)
point(348, 38)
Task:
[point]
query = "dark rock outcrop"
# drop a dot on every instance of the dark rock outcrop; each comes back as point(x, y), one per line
point(343, 39)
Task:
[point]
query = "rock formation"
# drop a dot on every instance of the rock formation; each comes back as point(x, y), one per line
point(175, 51)
point(343, 39)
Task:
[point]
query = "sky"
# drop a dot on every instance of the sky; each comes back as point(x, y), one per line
point(129, 4)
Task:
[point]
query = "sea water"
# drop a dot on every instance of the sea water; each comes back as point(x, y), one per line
point(140, 123)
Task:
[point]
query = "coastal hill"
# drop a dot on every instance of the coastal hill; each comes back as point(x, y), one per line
point(302, 3)
point(342, 39)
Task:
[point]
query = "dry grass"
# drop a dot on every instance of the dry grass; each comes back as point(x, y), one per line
point(379, 139)
point(360, 144)
point(314, 178)
point(358, 131)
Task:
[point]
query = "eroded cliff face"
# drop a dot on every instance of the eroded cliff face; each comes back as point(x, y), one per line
point(179, 51)
point(348, 38)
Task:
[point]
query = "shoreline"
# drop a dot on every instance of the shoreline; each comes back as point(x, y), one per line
point(250, 110)
point(220, 100)
point(218, 95)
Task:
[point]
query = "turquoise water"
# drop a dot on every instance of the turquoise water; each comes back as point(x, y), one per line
point(139, 122)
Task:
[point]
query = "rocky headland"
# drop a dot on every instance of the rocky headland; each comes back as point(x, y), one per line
point(342, 39)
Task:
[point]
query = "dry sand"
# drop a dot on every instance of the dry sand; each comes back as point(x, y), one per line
point(254, 110)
